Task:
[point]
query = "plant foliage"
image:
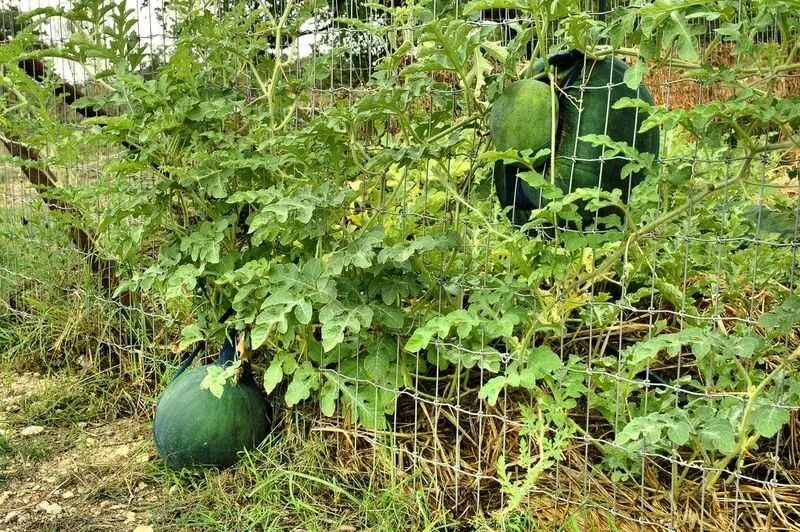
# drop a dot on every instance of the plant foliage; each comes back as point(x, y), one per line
point(356, 236)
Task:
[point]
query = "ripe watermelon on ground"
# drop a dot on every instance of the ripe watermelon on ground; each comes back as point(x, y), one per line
point(194, 427)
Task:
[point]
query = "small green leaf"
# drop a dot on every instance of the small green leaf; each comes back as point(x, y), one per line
point(191, 334)
point(303, 311)
point(642, 430)
point(183, 281)
point(679, 31)
point(679, 432)
point(289, 363)
point(400, 253)
point(633, 76)
point(782, 319)
point(420, 339)
point(717, 435)
point(306, 379)
point(273, 375)
point(388, 316)
point(541, 362)
point(491, 390)
point(746, 346)
point(480, 5)
point(259, 335)
point(328, 396)
point(297, 391)
point(769, 419)
point(216, 378)
point(336, 320)
point(377, 366)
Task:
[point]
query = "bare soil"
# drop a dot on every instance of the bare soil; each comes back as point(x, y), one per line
point(74, 476)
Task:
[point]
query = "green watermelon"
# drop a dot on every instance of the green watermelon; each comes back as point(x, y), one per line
point(589, 93)
point(192, 427)
point(579, 163)
point(521, 117)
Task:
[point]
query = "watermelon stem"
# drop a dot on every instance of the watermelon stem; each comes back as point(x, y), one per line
point(228, 352)
point(187, 360)
point(221, 360)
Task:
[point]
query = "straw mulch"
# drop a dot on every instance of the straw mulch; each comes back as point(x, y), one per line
point(452, 456)
point(449, 445)
point(675, 89)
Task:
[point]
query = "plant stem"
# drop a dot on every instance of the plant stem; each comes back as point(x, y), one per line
point(454, 193)
point(682, 476)
point(612, 259)
point(458, 65)
point(746, 441)
point(455, 127)
point(278, 62)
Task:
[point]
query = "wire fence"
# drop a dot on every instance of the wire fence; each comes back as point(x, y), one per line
point(666, 384)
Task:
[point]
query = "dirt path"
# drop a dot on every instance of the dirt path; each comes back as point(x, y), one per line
point(70, 474)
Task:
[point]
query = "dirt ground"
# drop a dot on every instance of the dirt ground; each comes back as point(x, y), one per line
point(74, 475)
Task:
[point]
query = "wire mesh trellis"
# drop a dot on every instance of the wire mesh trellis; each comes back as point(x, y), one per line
point(721, 275)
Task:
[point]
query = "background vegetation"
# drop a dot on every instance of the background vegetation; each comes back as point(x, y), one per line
point(342, 206)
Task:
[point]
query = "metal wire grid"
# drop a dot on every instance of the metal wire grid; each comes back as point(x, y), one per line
point(34, 242)
point(18, 199)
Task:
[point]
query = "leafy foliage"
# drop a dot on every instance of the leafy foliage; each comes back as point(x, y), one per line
point(357, 238)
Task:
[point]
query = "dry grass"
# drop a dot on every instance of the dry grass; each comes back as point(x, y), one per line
point(453, 445)
point(675, 89)
point(575, 490)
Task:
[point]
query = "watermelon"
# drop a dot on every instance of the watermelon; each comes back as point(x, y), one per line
point(521, 117)
point(192, 427)
point(579, 163)
point(586, 107)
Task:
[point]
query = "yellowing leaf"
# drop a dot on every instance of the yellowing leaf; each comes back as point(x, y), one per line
point(587, 259)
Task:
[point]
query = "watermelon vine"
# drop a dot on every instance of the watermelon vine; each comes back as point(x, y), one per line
point(358, 239)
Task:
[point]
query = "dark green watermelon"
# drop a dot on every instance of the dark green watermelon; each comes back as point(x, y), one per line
point(579, 163)
point(585, 107)
point(512, 190)
point(192, 427)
